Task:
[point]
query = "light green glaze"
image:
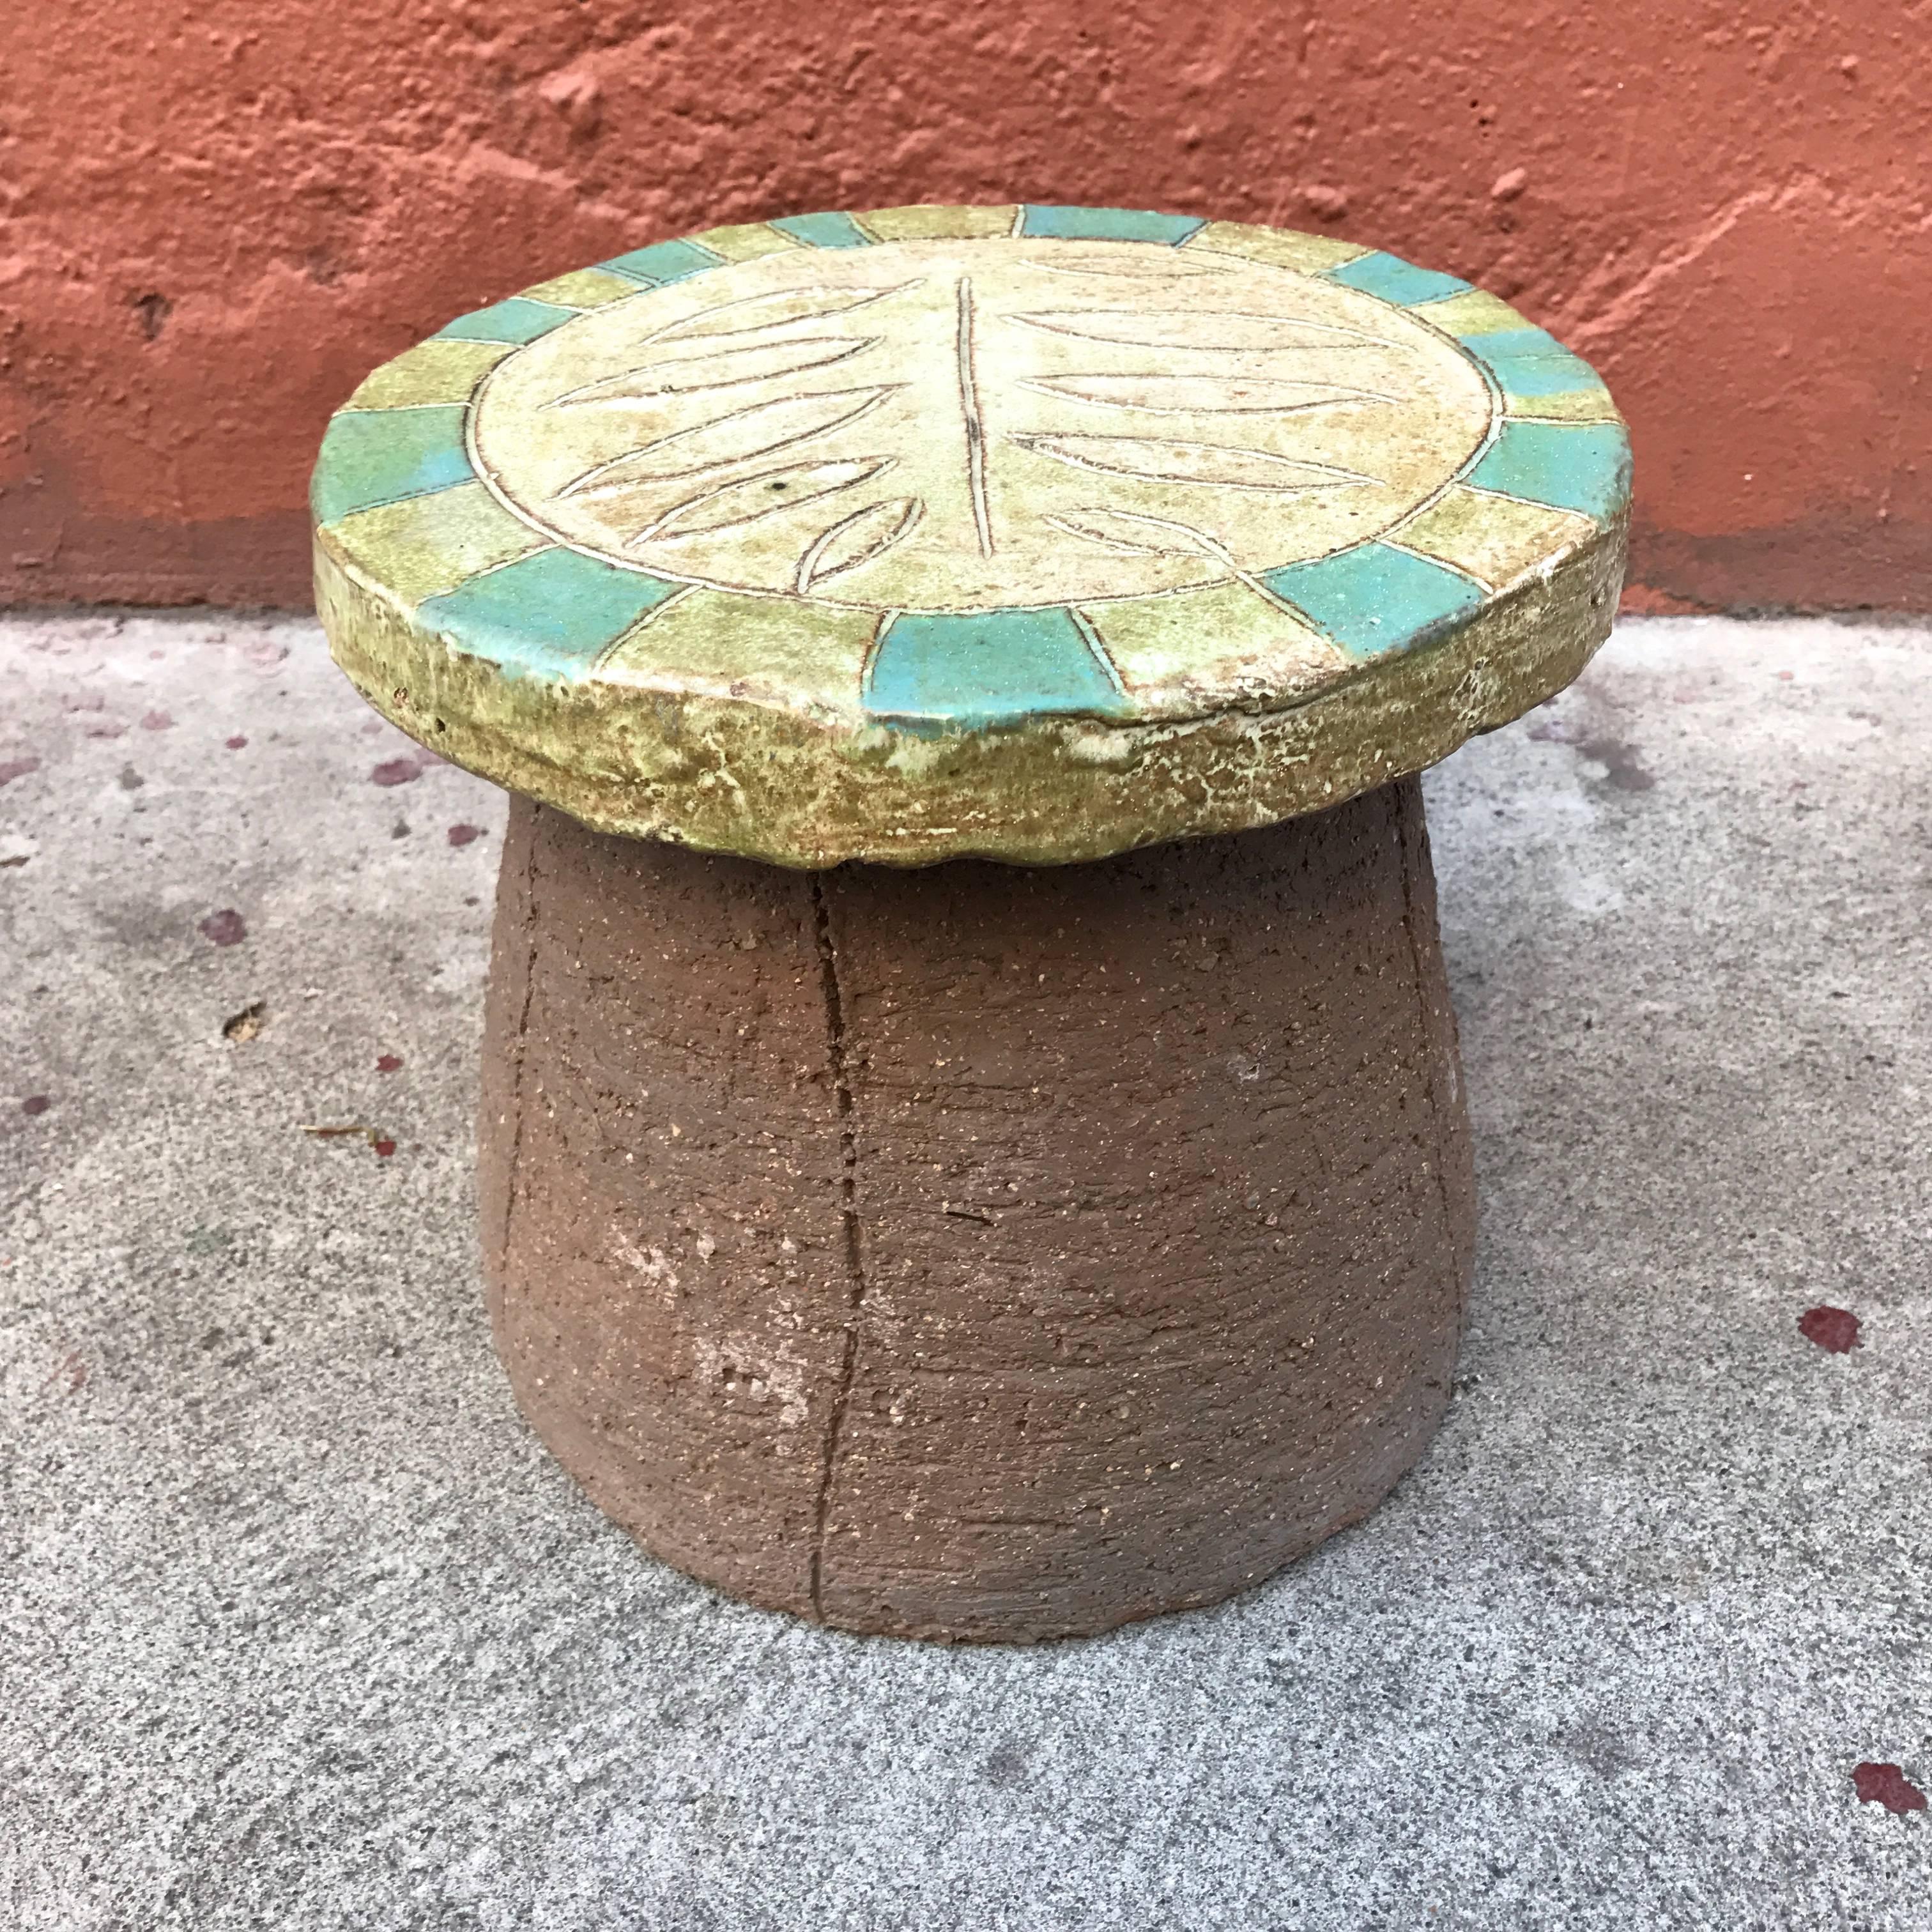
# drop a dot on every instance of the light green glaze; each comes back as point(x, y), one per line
point(933, 532)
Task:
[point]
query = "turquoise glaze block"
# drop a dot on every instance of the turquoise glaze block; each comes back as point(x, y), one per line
point(1107, 224)
point(832, 230)
point(1531, 362)
point(1581, 467)
point(974, 669)
point(372, 457)
point(1375, 598)
point(517, 320)
point(1396, 280)
point(548, 614)
point(663, 262)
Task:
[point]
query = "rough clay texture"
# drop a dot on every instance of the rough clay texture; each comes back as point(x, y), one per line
point(978, 1252)
point(304, 1629)
point(762, 781)
point(220, 217)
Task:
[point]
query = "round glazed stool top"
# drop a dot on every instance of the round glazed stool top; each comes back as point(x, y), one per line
point(1037, 532)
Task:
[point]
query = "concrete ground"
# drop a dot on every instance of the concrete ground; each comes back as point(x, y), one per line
point(303, 1629)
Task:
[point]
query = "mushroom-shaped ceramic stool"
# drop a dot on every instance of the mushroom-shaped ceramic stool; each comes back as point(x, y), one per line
point(973, 1142)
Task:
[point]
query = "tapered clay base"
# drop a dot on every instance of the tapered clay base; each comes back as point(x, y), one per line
point(976, 1252)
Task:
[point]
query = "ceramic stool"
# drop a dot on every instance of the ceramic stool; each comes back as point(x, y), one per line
point(973, 1144)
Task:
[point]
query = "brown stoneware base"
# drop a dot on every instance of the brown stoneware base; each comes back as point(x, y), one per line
point(979, 1253)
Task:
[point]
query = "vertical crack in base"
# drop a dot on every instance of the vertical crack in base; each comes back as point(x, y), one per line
point(514, 1165)
point(1410, 859)
point(848, 1155)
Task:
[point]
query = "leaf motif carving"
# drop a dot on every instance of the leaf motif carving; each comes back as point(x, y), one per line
point(1132, 534)
point(755, 430)
point(1202, 395)
point(1129, 533)
point(722, 369)
point(1171, 460)
point(1197, 328)
point(768, 493)
point(941, 426)
point(778, 308)
point(1116, 268)
point(866, 534)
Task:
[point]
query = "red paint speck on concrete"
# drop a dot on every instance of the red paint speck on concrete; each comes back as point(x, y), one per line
point(225, 928)
point(388, 1063)
point(236, 743)
point(157, 721)
point(462, 835)
point(1886, 1784)
point(395, 771)
point(11, 769)
point(384, 1147)
point(35, 1103)
point(1835, 1330)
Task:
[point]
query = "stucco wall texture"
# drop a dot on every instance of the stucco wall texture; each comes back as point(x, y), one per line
point(215, 217)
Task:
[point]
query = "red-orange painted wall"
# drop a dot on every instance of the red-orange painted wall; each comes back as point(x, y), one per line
point(214, 217)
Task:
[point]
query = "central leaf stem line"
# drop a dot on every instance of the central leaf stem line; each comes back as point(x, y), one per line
point(976, 433)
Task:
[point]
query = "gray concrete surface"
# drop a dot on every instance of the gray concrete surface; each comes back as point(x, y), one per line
point(302, 1628)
